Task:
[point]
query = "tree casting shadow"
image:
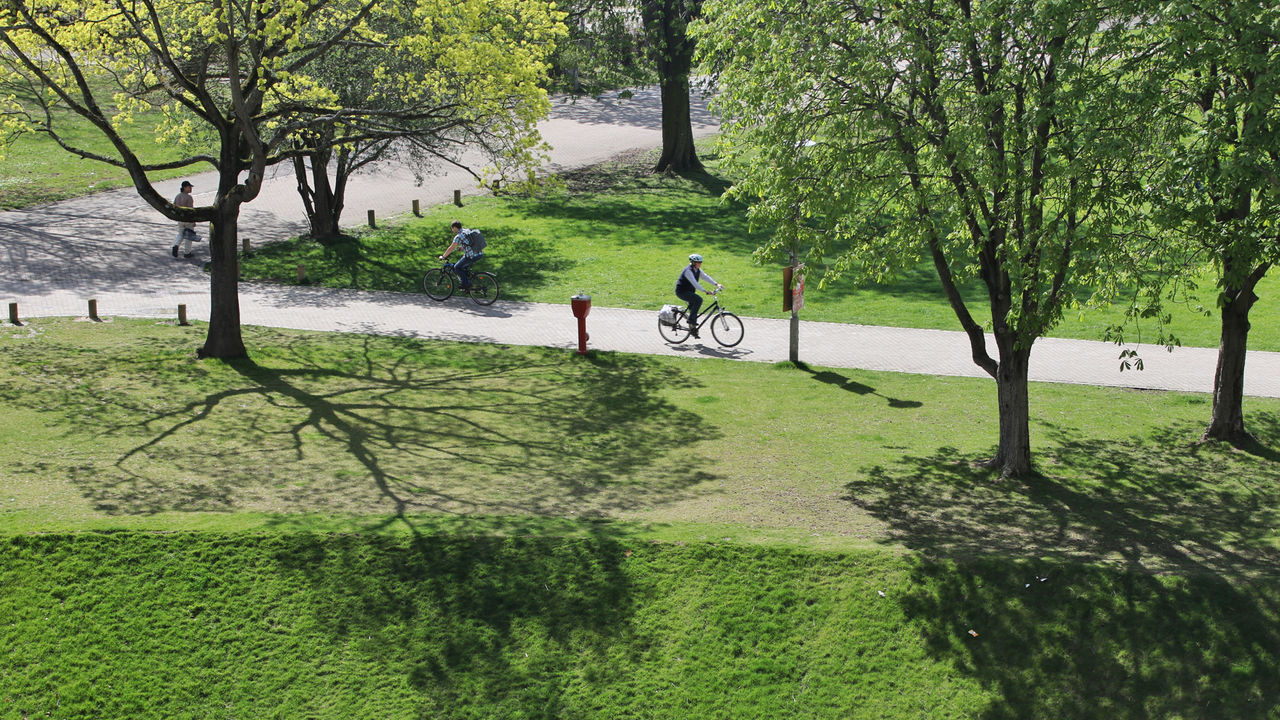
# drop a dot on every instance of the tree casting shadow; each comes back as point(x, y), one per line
point(1132, 579)
point(394, 426)
point(481, 622)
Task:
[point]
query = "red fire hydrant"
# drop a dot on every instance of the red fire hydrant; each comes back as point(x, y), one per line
point(581, 306)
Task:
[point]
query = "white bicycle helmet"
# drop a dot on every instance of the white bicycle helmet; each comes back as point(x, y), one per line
point(695, 258)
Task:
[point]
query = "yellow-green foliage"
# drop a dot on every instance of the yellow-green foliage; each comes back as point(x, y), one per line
point(209, 62)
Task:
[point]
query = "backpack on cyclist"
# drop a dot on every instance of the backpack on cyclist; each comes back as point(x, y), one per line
point(476, 240)
point(667, 315)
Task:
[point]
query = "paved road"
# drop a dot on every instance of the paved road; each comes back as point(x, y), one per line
point(114, 248)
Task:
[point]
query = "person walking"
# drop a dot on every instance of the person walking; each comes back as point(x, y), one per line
point(186, 230)
point(688, 285)
point(472, 244)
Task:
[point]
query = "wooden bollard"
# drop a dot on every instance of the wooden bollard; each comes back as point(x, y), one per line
point(416, 212)
point(302, 271)
point(497, 186)
point(13, 313)
point(93, 309)
point(371, 223)
point(457, 198)
point(246, 245)
point(182, 315)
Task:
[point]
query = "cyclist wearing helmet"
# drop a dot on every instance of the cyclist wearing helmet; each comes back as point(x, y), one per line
point(688, 285)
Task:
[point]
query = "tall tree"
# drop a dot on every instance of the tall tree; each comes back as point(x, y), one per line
point(990, 137)
point(1221, 189)
point(617, 42)
point(420, 122)
point(604, 50)
point(671, 48)
point(235, 79)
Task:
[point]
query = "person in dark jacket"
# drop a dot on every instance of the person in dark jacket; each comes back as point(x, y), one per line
point(689, 283)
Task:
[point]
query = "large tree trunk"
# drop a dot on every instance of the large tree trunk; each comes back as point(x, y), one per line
point(1013, 454)
point(322, 204)
point(678, 153)
point(1227, 420)
point(667, 21)
point(224, 339)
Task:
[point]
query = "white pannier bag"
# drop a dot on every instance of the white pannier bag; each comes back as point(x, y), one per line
point(667, 315)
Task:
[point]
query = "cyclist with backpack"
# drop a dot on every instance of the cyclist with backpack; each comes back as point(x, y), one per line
point(472, 244)
point(688, 285)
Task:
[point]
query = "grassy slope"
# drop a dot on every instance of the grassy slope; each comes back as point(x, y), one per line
point(535, 539)
point(622, 235)
point(211, 625)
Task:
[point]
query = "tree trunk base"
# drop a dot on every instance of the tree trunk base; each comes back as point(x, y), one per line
point(670, 166)
point(1007, 470)
point(205, 352)
point(1236, 437)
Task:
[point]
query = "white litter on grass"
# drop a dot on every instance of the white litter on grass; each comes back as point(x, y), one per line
point(881, 593)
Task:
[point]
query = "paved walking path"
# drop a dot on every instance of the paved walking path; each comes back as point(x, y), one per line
point(113, 248)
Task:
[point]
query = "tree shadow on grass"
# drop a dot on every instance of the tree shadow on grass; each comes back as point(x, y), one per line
point(486, 625)
point(1131, 579)
point(1057, 640)
point(522, 262)
point(1157, 504)
point(627, 203)
point(396, 259)
point(392, 426)
point(344, 261)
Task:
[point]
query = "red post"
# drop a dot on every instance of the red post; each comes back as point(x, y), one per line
point(581, 306)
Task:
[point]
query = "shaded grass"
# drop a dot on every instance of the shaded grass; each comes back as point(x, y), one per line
point(327, 626)
point(343, 424)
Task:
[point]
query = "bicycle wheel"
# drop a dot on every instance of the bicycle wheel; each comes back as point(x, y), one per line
point(677, 333)
point(437, 284)
point(484, 288)
point(726, 328)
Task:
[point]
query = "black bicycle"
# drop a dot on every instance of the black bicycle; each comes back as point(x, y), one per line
point(726, 328)
point(441, 284)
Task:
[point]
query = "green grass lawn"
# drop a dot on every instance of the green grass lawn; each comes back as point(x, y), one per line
point(622, 235)
point(119, 426)
point(37, 170)
point(351, 526)
point(204, 625)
